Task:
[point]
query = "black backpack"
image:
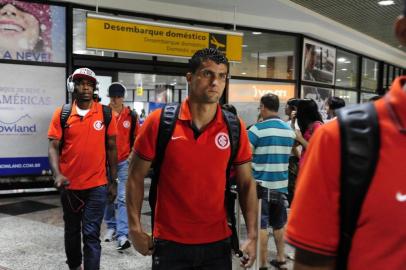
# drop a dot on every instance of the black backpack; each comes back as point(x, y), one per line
point(66, 111)
point(167, 123)
point(360, 143)
point(134, 117)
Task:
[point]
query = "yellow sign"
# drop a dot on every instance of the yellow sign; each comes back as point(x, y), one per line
point(127, 35)
point(140, 91)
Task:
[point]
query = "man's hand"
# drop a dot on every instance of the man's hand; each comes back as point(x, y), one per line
point(60, 181)
point(112, 191)
point(142, 242)
point(249, 248)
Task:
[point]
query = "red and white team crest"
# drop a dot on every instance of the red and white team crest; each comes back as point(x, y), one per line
point(98, 125)
point(126, 124)
point(222, 141)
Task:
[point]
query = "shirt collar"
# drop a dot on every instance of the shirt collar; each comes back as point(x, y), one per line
point(186, 115)
point(93, 108)
point(397, 96)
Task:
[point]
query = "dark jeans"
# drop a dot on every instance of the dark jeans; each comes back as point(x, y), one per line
point(170, 255)
point(83, 213)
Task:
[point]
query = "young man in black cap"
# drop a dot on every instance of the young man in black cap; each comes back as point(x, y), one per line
point(127, 126)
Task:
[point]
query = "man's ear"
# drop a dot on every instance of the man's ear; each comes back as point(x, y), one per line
point(189, 77)
point(400, 29)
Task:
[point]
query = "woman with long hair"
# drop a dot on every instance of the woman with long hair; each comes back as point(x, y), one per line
point(309, 120)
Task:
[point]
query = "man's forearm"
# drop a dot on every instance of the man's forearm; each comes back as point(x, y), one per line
point(53, 154)
point(249, 207)
point(112, 160)
point(135, 191)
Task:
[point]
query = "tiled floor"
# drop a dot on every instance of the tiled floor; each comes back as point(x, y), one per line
point(31, 237)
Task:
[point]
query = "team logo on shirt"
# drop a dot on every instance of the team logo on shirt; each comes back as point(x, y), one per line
point(126, 124)
point(98, 125)
point(222, 141)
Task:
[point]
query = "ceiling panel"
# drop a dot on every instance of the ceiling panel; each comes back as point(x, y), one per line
point(365, 16)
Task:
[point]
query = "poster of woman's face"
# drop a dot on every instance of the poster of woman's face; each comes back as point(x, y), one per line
point(32, 32)
point(318, 62)
point(318, 94)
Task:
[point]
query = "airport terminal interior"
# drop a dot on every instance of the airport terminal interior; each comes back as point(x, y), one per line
point(295, 49)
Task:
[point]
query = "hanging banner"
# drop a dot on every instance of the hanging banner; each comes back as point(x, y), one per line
point(32, 32)
point(27, 102)
point(152, 38)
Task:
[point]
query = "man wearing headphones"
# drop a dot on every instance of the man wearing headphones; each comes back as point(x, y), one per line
point(127, 126)
point(78, 150)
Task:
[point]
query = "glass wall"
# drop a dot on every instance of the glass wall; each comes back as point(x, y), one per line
point(369, 78)
point(346, 72)
point(390, 76)
point(266, 55)
point(350, 97)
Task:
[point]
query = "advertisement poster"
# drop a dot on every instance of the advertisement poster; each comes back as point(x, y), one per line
point(318, 62)
point(32, 32)
point(318, 94)
point(28, 97)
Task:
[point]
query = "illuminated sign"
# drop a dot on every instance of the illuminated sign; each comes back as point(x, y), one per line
point(252, 92)
point(152, 38)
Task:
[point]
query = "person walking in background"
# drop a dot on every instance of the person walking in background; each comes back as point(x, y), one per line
point(190, 223)
point(271, 141)
point(78, 151)
point(333, 104)
point(127, 127)
point(309, 120)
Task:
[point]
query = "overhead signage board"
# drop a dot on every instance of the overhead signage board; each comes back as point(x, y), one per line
point(152, 38)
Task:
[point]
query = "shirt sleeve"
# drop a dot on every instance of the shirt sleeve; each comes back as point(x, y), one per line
point(253, 138)
point(112, 130)
point(55, 129)
point(313, 223)
point(244, 153)
point(145, 142)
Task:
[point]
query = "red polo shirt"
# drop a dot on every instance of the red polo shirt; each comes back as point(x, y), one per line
point(380, 238)
point(190, 205)
point(83, 156)
point(123, 133)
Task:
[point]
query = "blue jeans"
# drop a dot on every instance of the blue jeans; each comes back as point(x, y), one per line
point(83, 210)
point(120, 222)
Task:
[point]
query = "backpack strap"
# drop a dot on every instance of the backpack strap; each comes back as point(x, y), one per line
point(234, 129)
point(134, 117)
point(169, 115)
point(63, 118)
point(360, 143)
point(107, 115)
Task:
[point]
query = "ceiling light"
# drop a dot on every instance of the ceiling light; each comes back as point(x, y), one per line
point(386, 2)
point(347, 62)
point(263, 66)
point(244, 45)
point(243, 73)
point(344, 69)
point(256, 33)
point(341, 59)
point(338, 80)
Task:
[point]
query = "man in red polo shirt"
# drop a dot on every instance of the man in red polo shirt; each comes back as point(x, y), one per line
point(314, 222)
point(117, 223)
point(77, 155)
point(190, 230)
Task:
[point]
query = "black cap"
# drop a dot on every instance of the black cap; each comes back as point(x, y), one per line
point(116, 90)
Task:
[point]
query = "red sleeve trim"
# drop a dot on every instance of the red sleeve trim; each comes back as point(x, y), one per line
point(310, 248)
point(143, 156)
point(242, 162)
